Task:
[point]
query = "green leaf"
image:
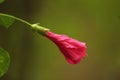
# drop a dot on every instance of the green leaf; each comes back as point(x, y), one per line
point(6, 21)
point(4, 61)
point(2, 1)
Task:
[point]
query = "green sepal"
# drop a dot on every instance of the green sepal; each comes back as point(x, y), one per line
point(41, 30)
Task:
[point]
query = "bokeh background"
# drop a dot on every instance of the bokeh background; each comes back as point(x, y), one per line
point(33, 57)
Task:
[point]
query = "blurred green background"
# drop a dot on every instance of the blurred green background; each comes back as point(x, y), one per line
point(33, 57)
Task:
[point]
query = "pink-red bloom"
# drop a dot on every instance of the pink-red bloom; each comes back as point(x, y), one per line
point(72, 49)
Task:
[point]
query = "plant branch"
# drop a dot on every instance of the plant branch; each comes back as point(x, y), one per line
point(21, 20)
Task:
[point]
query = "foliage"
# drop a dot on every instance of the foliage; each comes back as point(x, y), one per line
point(6, 21)
point(1, 1)
point(4, 61)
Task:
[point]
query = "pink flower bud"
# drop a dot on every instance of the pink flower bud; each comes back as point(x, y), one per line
point(73, 50)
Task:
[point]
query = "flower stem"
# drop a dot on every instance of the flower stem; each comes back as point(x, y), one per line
point(35, 27)
point(21, 20)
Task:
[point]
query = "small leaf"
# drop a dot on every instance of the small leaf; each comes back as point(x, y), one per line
point(4, 61)
point(2, 1)
point(6, 21)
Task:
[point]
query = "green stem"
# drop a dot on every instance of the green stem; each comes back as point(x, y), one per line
point(35, 27)
point(21, 20)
